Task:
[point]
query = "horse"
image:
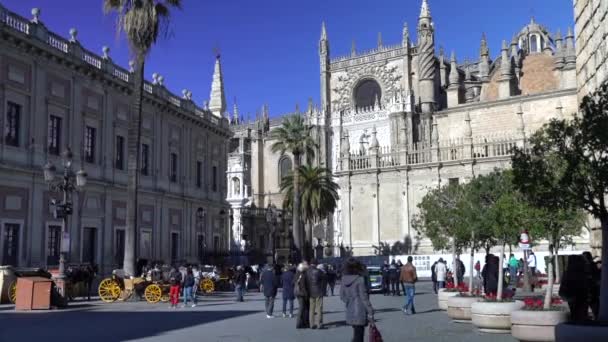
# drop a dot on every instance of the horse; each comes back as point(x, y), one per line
point(85, 273)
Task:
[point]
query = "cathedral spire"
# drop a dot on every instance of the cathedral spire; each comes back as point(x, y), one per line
point(235, 114)
point(323, 31)
point(483, 48)
point(406, 35)
point(453, 70)
point(380, 39)
point(353, 49)
point(217, 103)
point(425, 12)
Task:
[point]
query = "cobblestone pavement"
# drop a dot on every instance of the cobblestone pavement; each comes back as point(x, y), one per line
point(219, 318)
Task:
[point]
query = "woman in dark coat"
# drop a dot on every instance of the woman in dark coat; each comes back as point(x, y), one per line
point(302, 292)
point(354, 294)
point(287, 279)
point(575, 288)
point(490, 274)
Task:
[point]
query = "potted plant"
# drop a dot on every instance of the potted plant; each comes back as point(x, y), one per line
point(492, 314)
point(459, 306)
point(536, 321)
point(450, 290)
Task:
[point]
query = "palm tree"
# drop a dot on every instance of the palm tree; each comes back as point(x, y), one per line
point(294, 136)
point(318, 197)
point(142, 21)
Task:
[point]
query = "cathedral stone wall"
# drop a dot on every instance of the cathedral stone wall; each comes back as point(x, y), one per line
point(591, 44)
point(501, 116)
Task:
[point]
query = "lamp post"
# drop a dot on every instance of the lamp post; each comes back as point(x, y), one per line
point(66, 185)
point(272, 218)
point(200, 221)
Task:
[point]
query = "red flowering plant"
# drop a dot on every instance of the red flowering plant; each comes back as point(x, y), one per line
point(451, 287)
point(537, 304)
point(507, 296)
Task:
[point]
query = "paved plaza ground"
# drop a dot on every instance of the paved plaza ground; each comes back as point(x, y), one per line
point(219, 318)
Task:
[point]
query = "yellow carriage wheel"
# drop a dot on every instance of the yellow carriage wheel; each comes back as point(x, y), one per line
point(207, 285)
point(108, 290)
point(12, 292)
point(153, 293)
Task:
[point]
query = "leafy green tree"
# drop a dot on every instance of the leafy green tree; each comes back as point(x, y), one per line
point(142, 21)
point(440, 218)
point(318, 197)
point(538, 174)
point(580, 146)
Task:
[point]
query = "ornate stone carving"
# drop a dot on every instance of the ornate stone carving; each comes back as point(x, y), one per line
point(387, 75)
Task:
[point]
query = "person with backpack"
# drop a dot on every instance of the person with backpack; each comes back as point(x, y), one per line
point(175, 279)
point(188, 285)
point(301, 292)
point(353, 292)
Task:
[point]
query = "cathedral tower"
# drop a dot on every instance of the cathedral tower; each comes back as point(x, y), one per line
point(325, 74)
point(217, 103)
point(426, 60)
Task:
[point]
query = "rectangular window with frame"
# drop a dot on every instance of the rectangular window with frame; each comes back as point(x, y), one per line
point(214, 184)
point(453, 181)
point(89, 144)
point(13, 121)
point(145, 159)
point(10, 237)
point(173, 167)
point(119, 161)
point(199, 174)
point(54, 135)
point(52, 245)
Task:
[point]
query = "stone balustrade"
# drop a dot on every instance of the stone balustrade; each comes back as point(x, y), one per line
point(454, 150)
point(35, 30)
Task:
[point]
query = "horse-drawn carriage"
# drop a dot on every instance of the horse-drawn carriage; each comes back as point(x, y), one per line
point(154, 287)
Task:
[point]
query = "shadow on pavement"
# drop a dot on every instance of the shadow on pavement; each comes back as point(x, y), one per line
point(103, 326)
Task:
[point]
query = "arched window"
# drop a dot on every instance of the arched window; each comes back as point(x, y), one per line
point(367, 92)
point(534, 44)
point(285, 167)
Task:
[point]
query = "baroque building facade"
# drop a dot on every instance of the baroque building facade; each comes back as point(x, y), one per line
point(54, 93)
point(398, 120)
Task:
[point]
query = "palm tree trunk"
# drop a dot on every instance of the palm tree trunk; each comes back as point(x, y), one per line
point(296, 229)
point(134, 142)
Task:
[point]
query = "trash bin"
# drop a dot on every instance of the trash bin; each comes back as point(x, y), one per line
point(7, 277)
point(33, 293)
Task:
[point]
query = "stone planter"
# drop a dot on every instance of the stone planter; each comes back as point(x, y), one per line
point(442, 298)
point(494, 317)
point(459, 308)
point(538, 326)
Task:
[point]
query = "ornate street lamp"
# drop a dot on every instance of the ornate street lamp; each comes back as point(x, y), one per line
point(66, 185)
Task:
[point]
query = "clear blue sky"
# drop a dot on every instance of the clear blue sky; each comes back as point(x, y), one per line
point(270, 47)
